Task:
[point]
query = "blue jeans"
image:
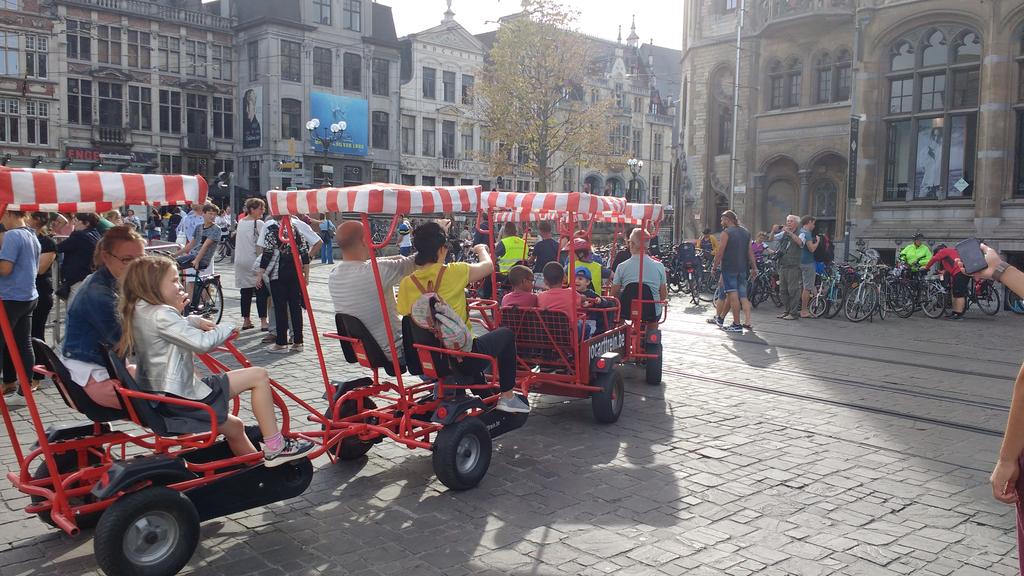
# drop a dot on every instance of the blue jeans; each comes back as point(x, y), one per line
point(734, 282)
point(327, 252)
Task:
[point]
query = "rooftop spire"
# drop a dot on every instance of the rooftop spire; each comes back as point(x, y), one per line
point(618, 39)
point(633, 38)
point(448, 14)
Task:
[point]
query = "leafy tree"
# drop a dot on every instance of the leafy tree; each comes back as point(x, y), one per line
point(531, 95)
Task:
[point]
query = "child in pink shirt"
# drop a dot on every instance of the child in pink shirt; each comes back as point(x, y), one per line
point(557, 297)
point(522, 296)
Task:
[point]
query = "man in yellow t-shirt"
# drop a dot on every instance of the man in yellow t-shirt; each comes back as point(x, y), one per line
point(431, 244)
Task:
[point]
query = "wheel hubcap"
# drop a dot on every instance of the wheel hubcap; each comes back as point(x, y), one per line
point(467, 454)
point(151, 538)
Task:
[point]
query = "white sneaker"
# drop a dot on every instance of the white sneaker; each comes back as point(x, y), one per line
point(515, 404)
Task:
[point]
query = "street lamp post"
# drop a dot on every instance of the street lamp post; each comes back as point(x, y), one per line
point(635, 166)
point(326, 136)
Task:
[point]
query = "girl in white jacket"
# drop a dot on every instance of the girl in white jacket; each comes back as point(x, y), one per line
point(164, 342)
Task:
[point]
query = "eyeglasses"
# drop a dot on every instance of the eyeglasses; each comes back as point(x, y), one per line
point(124, 259)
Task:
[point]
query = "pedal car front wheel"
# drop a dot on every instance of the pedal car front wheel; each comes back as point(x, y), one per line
point(462, 453)
point(607, 404)
point(153, 532)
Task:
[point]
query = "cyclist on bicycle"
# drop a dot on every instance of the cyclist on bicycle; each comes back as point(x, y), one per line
point(950, 261)
point(686, 256)
point(916, 254)
point(198, 252)
point(708, 245)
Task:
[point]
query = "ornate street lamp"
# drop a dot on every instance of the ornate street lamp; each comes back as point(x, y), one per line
point(635, 166)
point(326, 136)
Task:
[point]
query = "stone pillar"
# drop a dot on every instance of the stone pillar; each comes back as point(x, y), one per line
point(755, 207)
point(804, 203)
point(995, 124)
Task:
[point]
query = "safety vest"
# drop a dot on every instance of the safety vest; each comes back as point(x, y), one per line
point(595, 273)
point(515, 251)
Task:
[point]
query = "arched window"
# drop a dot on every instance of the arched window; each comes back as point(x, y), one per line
point(794, 81)
point(843, 76)
point(775, 83)
point(823, 79)
point(932, 115)
point(825, 192)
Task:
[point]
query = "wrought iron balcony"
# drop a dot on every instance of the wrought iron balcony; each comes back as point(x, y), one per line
point(158, 11)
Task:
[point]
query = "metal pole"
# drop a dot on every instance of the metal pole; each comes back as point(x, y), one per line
point(736, 108)
point(854, 116)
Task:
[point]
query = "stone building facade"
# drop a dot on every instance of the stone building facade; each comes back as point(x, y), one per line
point(936, 85)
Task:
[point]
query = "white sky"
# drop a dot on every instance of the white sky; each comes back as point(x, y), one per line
point(658, 19)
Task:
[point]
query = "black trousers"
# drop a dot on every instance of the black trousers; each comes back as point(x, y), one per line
point(500, 345)
point(42, 313)
point(19, 314)
point(261, 294)
point(287, 303)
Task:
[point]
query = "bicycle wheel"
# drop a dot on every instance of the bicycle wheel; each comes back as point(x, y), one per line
point(709, 286)
point(818, 306)
point(902, 300)
point(1014, 302)
point(934, 301)
point(837, 299)
point(222, 253)
point(861, 303)
point(211, 302)
point(988, 297)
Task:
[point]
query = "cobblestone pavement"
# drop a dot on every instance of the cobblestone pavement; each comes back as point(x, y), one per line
point(812, 447)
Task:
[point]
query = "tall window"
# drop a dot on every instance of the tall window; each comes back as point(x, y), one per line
point(10, 59)
point(447, 139)
point(9, 117)
point(659, 144)
point(568, 179)
point(823, 79)
point(253, 54)
point(638, 140)
point(140, 108)
point(170, 112)
point(322, 11)
point(79, 36)
point(467, 141)
point(140, 49)
point(429, 83)
point(291, 119)
point(37, 122)
point(223, 118)
point(254, 176)
point(169, 53)
point(843, 76)
point(352, 18)
point(1018, 190)
point(291, 61)
point(108, 45)
point(729, 5)
point(448, 86)
point(111, 103)
point(196, 113)
point(323, 64)
point(931, 127)
point(408, 134)
point(195, 58)
point(380, 83)
point(794, 81)
point(220, 60)
point(467, 88)
point(352, 71)
point(724, 128)
point(379, 130)
point(36, 56)
point(79, 101)
point(656, 188)
point(776, 80)
point(429, 136)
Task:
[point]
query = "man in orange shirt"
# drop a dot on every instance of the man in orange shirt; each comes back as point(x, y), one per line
point(948, 258)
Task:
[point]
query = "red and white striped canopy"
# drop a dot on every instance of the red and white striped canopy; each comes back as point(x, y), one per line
point(518, 216)
point(577, 202)
point(376, 198)
point(30, 189)
point(634, 214)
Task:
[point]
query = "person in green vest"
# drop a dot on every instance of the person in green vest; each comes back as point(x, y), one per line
point(585, 258)
point(917, 254)
point(511, 250)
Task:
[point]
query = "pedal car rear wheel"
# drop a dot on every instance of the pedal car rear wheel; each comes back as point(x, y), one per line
point(462, 453)
point(67, 462)
point(653, 366)
point(352, 448)
point(152, 532)
point(607, 404)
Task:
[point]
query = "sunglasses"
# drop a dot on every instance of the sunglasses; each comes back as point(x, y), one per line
point(124, 259)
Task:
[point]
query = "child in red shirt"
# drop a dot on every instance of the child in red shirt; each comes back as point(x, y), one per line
point(522, 296)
